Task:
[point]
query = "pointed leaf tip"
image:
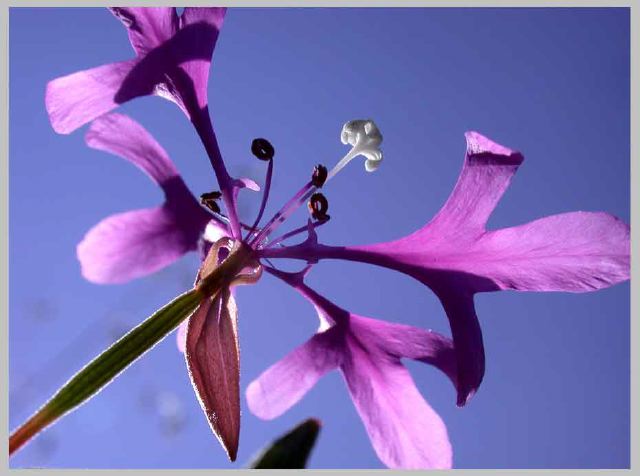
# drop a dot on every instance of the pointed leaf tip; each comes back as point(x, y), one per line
point(292, 450)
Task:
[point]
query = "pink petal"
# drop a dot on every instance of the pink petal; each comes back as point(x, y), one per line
point(486, 173)
point(122, 136)
point(467, 338)
point(245, 182)
point(456, 257)
point(171, 63)
point(78, 98)
point(181, 336)
point(148, 27)
point(213, 360)
point(201, 27)
point(214, 16)
point(133, 244)
point(283, 384)
point(404, 341)
point(404, 430)
point(576, 252)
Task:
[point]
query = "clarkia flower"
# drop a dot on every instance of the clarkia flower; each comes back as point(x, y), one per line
point(136, 243)
point(404, 430)
point(457, 257)
point(173, 59)
point(453, 254)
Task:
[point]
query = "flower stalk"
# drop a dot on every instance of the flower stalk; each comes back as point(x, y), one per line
point(109, 364)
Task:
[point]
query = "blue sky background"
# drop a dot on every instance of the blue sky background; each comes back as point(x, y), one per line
point(552, 83)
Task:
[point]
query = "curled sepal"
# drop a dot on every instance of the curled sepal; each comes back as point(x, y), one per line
point(216, 255)
point(219, 251)
point(213, 361)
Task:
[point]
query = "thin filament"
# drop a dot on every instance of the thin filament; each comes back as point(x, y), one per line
point(265, 198)
point(291, 206)
point(295, 232)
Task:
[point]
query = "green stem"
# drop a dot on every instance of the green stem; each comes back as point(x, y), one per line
point(107, 366)
point(133, 345)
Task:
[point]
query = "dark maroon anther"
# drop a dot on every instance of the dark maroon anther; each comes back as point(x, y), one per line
point(209, 200)
point(262, 149)
point(319, 176)
point(318, 206)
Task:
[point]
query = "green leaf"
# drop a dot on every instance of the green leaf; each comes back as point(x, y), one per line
point(108, 365)
point(292, 450)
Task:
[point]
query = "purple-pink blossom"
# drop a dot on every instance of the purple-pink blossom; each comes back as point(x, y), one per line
point(453, 254)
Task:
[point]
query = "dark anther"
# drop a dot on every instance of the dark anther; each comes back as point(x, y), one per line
point(318, 206)
point(319, 176)
point(209, 200)
point(262, 149)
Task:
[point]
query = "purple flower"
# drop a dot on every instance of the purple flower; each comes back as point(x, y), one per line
point(453, 254)
point(136, 243)
point(457, 257)
point(173, 56)
point(404, 430)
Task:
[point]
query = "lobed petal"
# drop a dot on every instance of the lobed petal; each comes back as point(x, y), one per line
point(467, 338)
point(78, 98)
point(171, 62)
point(133, 244)
point(486, 174)
point(129, 245)
point(283, 384)
point(404, 430)
point(148, 27)
point(213, 16)
point(205, 25)
point(575, 252)
point(457, 257)
point(403, 341)
point(124, 137)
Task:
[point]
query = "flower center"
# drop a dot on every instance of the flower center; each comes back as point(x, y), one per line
point(365, 139)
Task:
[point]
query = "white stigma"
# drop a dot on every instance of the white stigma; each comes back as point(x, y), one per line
point(365, 137)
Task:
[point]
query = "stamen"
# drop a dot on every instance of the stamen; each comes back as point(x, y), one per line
point(284, 212)
point(209, 200)
point(297, 231)
point(223, 220)
point(318, 206)
point(319, 176)
point(365, 137)
point(262, 148)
